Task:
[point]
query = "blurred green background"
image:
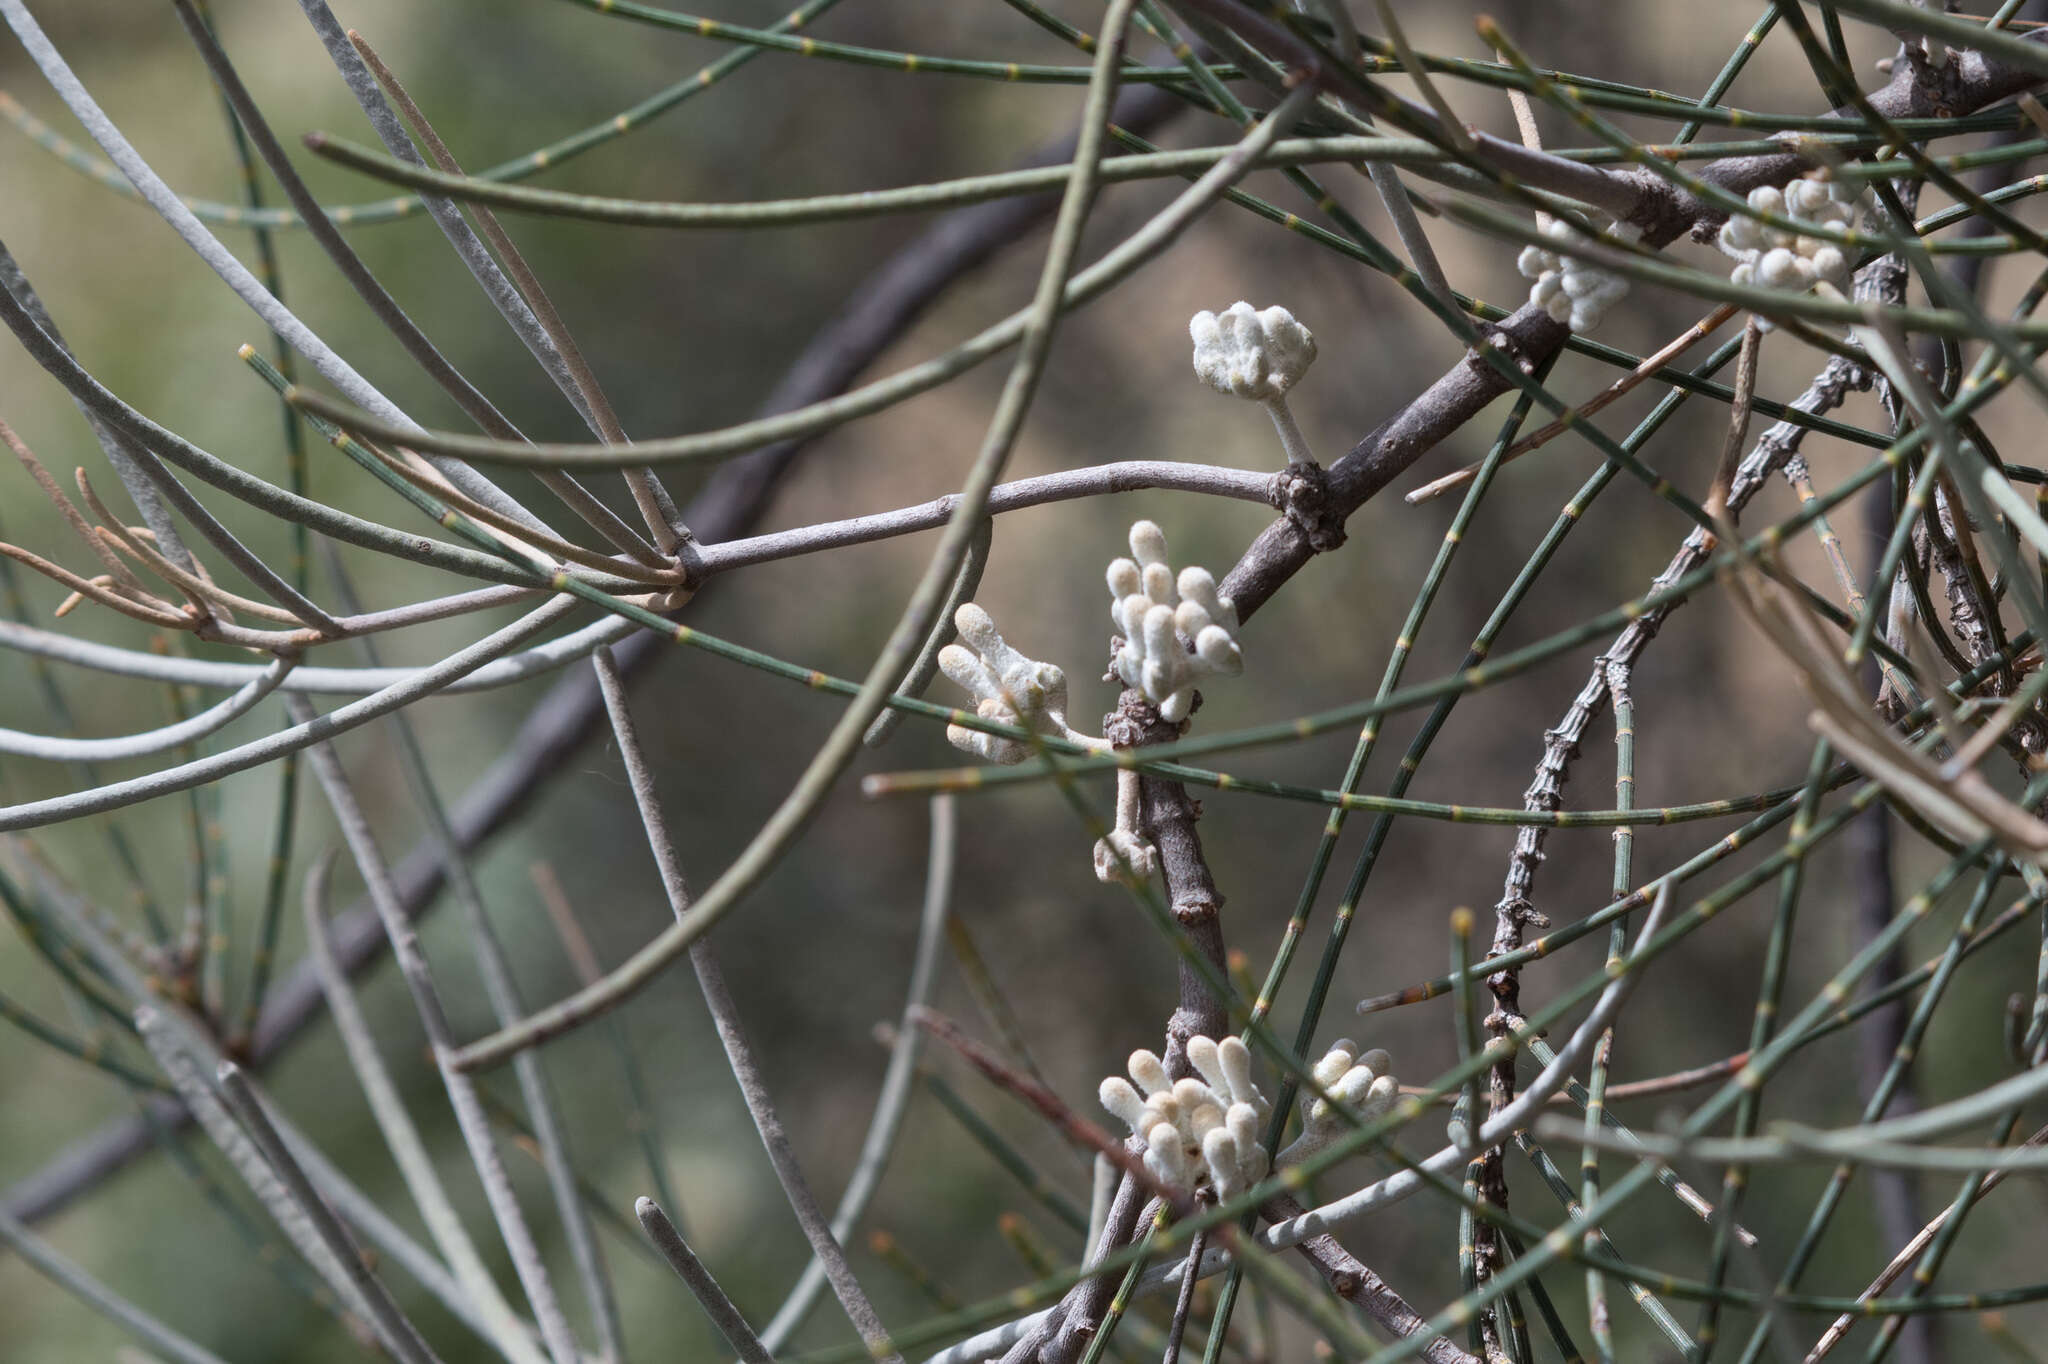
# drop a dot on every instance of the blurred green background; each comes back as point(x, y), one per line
point(690, 332)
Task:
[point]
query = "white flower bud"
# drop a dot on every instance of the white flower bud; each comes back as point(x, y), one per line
point(1219, 650)
point(1251, 354)
point(1125, 579)
point(1781, 269)
point(1236, 1060)
point(1146, 1069)
point(1118, 1096)
point(1148, 542)
point(1202, 1055)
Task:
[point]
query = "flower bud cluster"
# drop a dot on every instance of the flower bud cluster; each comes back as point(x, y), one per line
point(1574, 292)
point(1776, 258)
point(1361, 1081)
point(1249, 353)
point(1199, 1134)
point(1152, 610)
point(1008, 688)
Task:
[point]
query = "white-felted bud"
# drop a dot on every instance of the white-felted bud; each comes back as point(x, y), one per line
point(1166, 1159)
point(1331, 1068)
point(1008, 688)
point(1125, 856)
point(1202, 1055)
point(1805, 198)
point(1249, 353)
point(1148, 542)
point(1236, 1060)
point(1774, 257)
point(1150, 1074)
point(1165, 1109)
point(1739, 235)
point(1243, 1120)
point(1119, 1097)
point(1154, 622)
point(1379, 1099)
point(1360, 1083)
point(1572, 290)
point(1125, 579)
point(1780, 268)
point(1204, 1119)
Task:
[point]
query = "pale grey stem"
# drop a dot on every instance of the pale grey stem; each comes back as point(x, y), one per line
point(462, 1095)
point(726, 1020)
point(199, 672)
point(1408, 227)
point(991, 1343)
point(402, 1138)
point(477, 259)
point(222, 262)
point(205, 1106)
point(183, 1041)
point(398, 1335)
point(898, 1080)
point(1245, 485)
point(1291, 439)
point(184, 776)
point(57, 748)
point(702, 1286)
point(44, 1257)
point(503, 992)
point(1501, 1126)
point(1385, 179)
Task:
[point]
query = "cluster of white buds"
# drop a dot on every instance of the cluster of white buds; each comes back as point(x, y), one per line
point(1008, 688)
point(1574, 292)
point(1256, 355)
point(1152, 609)
point(1777, 258)
point(1199, 1134)
point(1361, 1081)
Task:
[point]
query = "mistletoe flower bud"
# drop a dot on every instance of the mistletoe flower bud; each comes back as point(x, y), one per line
point(1574, 292)
point(1007, 687)
point(1775, 258)
point(1153, 620)
point(1201, 1135)
point(1256, 355)
point(1361, 1082)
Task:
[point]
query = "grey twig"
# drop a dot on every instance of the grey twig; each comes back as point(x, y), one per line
point(462, 1096)
point(702, 1286)
point(402, 1138)
point(398, 1335)
point(731, 1033)
point(898, 1081)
